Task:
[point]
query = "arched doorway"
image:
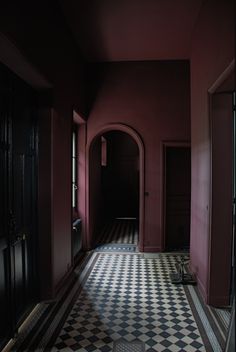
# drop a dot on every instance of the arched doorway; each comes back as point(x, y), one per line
point(96, 202)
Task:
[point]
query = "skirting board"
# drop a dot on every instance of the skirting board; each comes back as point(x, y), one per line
point(152, 249)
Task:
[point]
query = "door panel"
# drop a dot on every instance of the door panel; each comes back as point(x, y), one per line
point(5, 325)
point(177, 193)
point(18, 202)
point(22, 200)
point(19, 287)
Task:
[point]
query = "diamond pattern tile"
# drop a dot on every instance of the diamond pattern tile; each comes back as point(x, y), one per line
point(129, 297)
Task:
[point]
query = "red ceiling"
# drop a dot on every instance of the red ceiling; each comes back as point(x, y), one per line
point(117, 30)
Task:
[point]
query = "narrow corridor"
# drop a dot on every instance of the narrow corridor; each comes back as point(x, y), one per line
point(118, 176)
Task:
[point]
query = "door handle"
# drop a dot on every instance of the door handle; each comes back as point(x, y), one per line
point(15, 240)
point(18, 238)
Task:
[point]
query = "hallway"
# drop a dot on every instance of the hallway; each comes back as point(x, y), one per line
point(125, 112)
point(116, 297)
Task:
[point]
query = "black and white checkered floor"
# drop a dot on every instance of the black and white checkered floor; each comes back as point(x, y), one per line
point(120, 231)
point(124, 302)
point(120, 300)
point(131, 297)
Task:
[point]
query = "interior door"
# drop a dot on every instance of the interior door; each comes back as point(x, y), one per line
point(5, 306)
point(22, 198)
point(177, 197)
point(18, 207)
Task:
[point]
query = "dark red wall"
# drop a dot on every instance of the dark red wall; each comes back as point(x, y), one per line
point(213, 48)
point(44, 202)
point(81, 211)
point(152, 98)
point(221, 199)
point(96, 206)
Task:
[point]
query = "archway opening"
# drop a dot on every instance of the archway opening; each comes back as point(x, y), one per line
point(120, 176)
point(115, 184)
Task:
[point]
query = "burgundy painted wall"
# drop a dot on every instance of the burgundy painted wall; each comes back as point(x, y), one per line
point(61, 189)
point(212, 51)
point(222, 191)
point(95, 192)
point(44, 201)
point(82, 177)
point(153, 99)
point(45, 44)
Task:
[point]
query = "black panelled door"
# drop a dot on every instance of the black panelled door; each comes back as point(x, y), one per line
point(18, 202)
point(5, 292)
point(178, 195)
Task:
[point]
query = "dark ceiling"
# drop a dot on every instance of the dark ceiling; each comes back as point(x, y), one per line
point(118, 30)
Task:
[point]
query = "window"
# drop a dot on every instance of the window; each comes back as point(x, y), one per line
point(74, 169)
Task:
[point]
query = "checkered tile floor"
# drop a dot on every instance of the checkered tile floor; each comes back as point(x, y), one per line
point(131, 297)
point(120, 230)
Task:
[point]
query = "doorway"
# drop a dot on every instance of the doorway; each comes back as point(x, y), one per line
point(177, 196)
point(115, 179)
point(120, 176)
point(18, 190)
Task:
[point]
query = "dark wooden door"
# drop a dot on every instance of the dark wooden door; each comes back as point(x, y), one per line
point(18, 204)
point(177, 196)
point(5, 292)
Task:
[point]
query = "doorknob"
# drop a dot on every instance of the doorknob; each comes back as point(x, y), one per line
point(21, 237)
point(18, 238)
point(15, 240)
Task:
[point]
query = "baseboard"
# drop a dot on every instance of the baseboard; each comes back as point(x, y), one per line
point(64, 282)
point(149, 249)
point(202, 290)
point(215, 301)
point(219, 301)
